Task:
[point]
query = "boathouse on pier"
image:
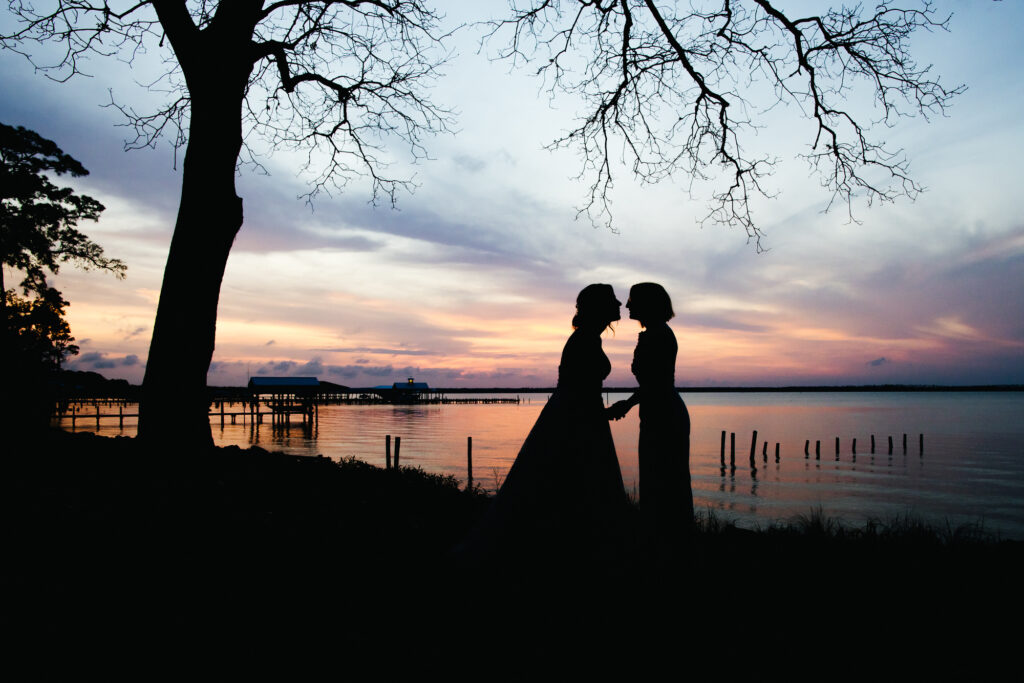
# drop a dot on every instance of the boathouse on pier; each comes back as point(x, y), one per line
point(409, 391)
point(287, 396)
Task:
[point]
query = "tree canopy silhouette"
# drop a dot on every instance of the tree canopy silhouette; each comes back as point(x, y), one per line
point(39, 232)
point(39, 220)
point(37, 333)
point(666, 82)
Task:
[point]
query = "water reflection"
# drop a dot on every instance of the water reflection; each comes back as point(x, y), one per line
point(974, 468)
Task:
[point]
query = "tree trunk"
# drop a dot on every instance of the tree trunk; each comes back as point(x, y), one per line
point(175, 402)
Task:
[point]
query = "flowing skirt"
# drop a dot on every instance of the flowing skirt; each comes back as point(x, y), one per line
point(564, 490)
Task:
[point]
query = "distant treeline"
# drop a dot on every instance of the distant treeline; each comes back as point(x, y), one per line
point(72, 384)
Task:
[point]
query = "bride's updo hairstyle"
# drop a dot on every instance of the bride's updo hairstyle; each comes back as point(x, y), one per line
point(652, 301)
point(593, 304)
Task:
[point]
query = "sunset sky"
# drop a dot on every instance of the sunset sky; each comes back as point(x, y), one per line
point(471, 281)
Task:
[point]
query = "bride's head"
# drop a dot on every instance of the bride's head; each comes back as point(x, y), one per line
point(648, 303)
point(596, 306)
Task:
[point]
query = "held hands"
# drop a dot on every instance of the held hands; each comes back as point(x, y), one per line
point(618, 410)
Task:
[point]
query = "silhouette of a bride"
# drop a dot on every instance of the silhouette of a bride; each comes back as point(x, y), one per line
point(564, 492)
point(666, 499)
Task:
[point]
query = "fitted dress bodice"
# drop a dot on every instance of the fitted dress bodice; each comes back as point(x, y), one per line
point(584, 364)
point(654, 359)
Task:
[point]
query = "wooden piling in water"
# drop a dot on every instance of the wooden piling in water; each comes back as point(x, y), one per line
point(732, 450)
point(776, 451)
point(469, 463)
point(398, 447)
point(807, 448)
point(722, 456)
point(837, 448)
point(817, 450)
point(904, 444)
point(387, 452)
point(872, 444)
point(753, 448)
point(854, 445)
point(764, 452)
point(920, 442)
point(890, 445)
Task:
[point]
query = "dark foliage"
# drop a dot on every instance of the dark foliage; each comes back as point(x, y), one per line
point(39, 220)
point(37, 330)
point(38, 232)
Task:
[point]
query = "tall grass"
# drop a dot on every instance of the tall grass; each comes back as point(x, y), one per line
point(815, 524)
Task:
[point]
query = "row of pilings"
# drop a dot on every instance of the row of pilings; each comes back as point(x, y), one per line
point(398, 450)
point(807, 447)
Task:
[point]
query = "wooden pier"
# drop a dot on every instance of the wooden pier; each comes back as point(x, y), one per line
point(253, 410)
point(440, 400)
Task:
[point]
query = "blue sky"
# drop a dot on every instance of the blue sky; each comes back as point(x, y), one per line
point(471, 280)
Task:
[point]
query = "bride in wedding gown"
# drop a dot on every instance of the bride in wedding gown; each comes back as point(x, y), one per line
point(564, 492)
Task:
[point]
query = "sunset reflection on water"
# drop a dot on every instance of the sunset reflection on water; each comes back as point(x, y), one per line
point(971, 470)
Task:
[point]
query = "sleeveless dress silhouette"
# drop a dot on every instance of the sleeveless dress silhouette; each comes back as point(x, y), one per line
point(666, 497)
point(564, 492)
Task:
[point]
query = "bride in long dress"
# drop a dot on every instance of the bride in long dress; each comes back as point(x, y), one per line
point(666, 498)
point(564, 492)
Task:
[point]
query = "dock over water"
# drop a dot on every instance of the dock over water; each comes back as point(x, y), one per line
point(255, 407)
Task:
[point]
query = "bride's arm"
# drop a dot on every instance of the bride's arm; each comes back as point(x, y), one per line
point(618, 410)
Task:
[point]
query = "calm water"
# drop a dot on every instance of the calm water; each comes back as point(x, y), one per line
point(972, 468)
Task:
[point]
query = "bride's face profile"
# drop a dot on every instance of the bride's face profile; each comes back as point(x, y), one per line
point(614, 309)
point(608, 311)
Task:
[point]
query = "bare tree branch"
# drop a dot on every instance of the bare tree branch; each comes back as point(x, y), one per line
point(669, 90)
point(339, 80)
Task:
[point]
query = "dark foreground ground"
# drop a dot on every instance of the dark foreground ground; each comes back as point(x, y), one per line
point(121, 563)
